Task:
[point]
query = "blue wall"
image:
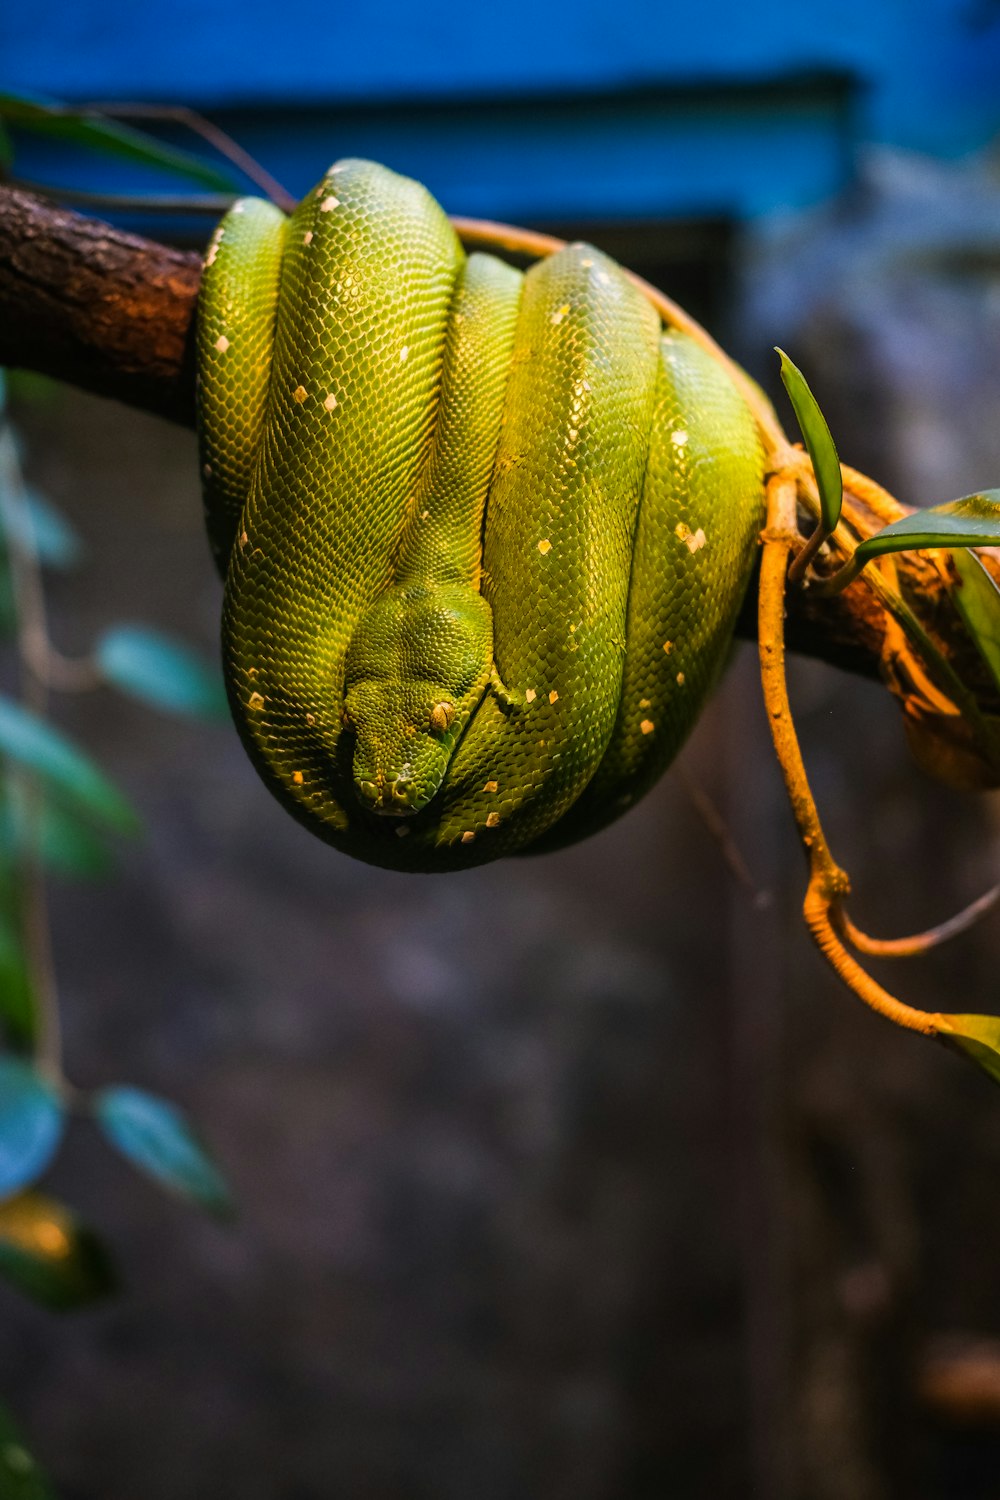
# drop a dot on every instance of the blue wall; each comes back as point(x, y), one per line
point(602, 108)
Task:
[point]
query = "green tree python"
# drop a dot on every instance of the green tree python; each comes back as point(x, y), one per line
point(484, 533)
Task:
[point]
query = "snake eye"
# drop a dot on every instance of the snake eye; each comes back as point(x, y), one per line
point(441, 717)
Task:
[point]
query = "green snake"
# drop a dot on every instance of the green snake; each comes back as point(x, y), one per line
point(484, 533)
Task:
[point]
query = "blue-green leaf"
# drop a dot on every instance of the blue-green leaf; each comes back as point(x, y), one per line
point(20, 1476)
point(86, 128)
point(156, 1137)
point(39, 528)
point(50, 1256)
point(160, 671)
point(818, 440)
point(977, 599)
point(33, 743)
point(31, 1124)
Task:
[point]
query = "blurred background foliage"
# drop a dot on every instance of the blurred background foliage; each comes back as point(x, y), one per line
point(574, 1175)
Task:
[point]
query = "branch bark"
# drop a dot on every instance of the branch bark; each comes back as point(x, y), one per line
point(113, 313)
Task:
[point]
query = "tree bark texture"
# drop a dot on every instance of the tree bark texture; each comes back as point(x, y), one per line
point(114, 313)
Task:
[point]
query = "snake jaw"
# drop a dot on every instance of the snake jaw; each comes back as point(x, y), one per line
point(390, 796)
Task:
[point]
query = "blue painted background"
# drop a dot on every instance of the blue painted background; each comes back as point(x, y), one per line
point(544, 110)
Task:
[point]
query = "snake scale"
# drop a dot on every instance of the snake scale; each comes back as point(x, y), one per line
point(484, 533)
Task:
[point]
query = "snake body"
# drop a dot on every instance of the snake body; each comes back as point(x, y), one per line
point(484, 533)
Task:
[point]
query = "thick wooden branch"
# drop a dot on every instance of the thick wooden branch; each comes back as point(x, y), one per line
point(101, 309)
point(114, 313)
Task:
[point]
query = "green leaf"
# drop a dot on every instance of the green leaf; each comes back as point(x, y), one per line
point(160, 671)
point(67, 845)
point(85, 128)
point(35, 525)
point(156, 1137)
point(31, 1124)
point(822, 451)
point(976, 1037)
point(50, 1256)
point(977, 599)
point(17, 996)
point(20, 1476)
point(6, 149)
point(33, 743)
point(973, 521)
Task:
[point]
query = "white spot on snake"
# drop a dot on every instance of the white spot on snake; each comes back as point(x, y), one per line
point(553, 696)
point(310, 718)
point(587, 263)
point(544, 546)
point(404, 354)
point(307, 238)
point(647, 726)
point(530, 695)
point(693, 540)
point(573, 434)
point(255, 701)
point(680, 679)
point(329, 203)
point(490, 786)
point(243, 538)
point(222, 343)
point(468, 836)
point(425, 515)
point(643, 702)
point(206, 469)
point(299, 394)
point(560, 313)
point(668, 646)
point(679, 438)
point(492, 819)
point(330, 402)
point(238, 208)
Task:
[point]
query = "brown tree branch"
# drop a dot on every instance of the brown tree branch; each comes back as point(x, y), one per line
point(104, 310)
point(113, 313)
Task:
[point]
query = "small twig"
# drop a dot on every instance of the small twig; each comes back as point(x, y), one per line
point(918, 942)
point(829, 885)
point(215, 136)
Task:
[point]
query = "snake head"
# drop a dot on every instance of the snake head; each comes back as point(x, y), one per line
point(416, 668)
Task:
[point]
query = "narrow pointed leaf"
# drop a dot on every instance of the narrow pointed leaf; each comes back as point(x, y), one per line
point(20, 1476)
point(31, 1124)
point(50, 1256)
point(977, 599)
point(33, 743)
point(157, 1138)
point(976, 1037)
point(973, 521)
point(83, 128)
point(818, 440)
point(160, 671)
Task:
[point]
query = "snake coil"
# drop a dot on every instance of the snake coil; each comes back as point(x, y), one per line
point(484, 534)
